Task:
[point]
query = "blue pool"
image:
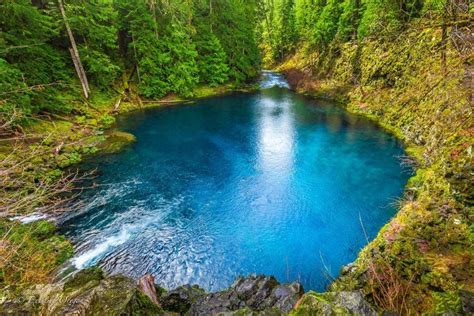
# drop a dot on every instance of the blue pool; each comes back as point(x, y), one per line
point(268, 182)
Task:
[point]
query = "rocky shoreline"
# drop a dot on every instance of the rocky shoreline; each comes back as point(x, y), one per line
point(91, 292)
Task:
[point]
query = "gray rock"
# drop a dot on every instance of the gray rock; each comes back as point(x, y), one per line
point(467, 301)
point(180, 299)
point(287, 296)
point(248, 295)
point(354, 302)
point(214, 303)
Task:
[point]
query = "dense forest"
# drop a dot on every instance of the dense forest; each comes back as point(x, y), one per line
point(49, 48)
point(67, 66)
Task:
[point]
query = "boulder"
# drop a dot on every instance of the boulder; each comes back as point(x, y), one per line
point(180, 299)
point(88, 292)
point(467, 302)
point(254, 293)
point(334, 303)
point(354, 302)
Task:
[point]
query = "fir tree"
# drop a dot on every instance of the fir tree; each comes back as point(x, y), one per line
point(211, 58)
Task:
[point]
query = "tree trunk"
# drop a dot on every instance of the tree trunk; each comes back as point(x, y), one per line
point(75, 54)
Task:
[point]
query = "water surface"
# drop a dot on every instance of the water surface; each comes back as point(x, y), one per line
point(269, 182)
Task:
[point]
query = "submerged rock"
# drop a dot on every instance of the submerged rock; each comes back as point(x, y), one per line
point(115, 141)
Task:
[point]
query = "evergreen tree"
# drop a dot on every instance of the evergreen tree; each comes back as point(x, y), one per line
point(182, 71)
point(234, 25)
point(29, 61)
point(144, 47)
point(380, 17)
point(94, 25)
point(285, 28)
point(349, 19)
point(211, 59)
point(327, 25)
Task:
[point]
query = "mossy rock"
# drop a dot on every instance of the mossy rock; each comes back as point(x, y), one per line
point(119, 295)
point(333, 303)
point(91, 276)
point(89, 292)
point(115, 141)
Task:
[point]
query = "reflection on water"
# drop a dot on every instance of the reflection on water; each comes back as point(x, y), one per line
point(269, 182)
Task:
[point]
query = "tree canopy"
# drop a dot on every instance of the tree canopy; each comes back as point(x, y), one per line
point(158, 46)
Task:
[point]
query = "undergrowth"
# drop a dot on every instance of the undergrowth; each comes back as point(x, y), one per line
point(422, 259)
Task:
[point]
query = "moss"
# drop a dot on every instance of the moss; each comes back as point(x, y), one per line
point(91, 277)
point(142, 305)
point(207, 91)
point(30, 252)
point(49, 127)
point(428, 245)
point(313, 303)
point(447, 302)
point(115, 141)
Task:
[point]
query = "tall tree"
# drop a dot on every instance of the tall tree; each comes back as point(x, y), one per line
point(81, 74)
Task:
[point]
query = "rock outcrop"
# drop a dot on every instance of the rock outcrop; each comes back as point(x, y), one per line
point(89, 292)
point(251, 294)
point(334, 303)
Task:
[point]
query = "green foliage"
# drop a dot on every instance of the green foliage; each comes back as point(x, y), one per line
point(158, 47)
point(349, 19)
point(106, 120)
point(211, 59)
point(234, 24)
point(30, 252)
point(326, 27)
point(93, 24)
point(318, 24)
point(380, 17)
point(15, 101)
point(68, 159)
point(182, 71)
point(37, 70)
point(447, 302)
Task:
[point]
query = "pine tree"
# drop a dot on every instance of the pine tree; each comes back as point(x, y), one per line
point(94, 25)
point(182, 71)
point(349, 20)
point(31, 66)
point(327, 25)
point(144, 48)
point(234, 25)
point(211, 59)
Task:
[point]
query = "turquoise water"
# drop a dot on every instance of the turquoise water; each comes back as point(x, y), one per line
point(269, 182)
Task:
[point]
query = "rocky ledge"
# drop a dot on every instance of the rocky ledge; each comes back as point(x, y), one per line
point(90, 292)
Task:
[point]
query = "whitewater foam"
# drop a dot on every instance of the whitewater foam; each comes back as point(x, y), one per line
point(89, 257)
